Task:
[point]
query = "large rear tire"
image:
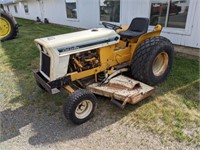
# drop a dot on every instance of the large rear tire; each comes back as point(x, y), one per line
point(79, 106)
point(153, 60)
point(8, 27)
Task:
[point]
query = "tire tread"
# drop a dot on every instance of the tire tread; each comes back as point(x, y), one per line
point(141, 58)
point(72, 100)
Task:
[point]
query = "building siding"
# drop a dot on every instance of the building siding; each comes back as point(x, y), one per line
point(88, 16)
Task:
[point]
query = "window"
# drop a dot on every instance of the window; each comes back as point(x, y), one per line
point(169, 13)
point(8, 8)
point(110, 10)
point(15, 7)
point(71, 8)
point(26, 8)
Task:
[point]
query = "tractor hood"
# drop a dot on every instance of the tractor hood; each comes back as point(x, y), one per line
point(79, 41)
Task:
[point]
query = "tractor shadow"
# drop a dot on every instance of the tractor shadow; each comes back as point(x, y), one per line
point(50, 125)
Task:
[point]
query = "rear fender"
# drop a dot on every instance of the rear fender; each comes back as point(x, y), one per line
point(156, 32)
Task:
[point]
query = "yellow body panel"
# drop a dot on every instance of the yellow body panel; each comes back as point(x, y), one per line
point(68, 89)
point(116, 54)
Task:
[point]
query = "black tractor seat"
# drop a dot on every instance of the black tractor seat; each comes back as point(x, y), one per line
point(138, 27)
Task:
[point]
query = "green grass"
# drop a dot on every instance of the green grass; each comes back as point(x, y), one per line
point(173, 111)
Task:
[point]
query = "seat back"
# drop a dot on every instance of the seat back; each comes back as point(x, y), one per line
point(139, 25)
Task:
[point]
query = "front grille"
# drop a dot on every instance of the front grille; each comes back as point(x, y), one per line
point(45, 64)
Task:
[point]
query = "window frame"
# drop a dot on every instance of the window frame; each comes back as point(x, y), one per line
point(120, 14)
point(15, 8)
point(8, 8)
point(25, 3)
point(77, 12)
point(188, 23)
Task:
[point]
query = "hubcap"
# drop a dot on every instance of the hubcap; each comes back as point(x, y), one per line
point(83, 109)
point(5, 28)
point(160, 64)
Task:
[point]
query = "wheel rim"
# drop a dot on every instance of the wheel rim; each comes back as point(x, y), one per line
point(83, 109)
point(160, 64)
point(5, 28)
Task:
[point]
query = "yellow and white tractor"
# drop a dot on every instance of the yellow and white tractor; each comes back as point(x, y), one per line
point(122, 63)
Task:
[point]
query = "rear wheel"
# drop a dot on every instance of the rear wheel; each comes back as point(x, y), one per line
point(80, 106)
point(160, 63)
point(153, 60)
point(8, 27)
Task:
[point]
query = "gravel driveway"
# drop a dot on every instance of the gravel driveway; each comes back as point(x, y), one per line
point(35, 127)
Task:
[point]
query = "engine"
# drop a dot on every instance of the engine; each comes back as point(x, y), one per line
point(84, 61)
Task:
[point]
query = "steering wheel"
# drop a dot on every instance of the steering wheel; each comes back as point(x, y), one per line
point(111, 26)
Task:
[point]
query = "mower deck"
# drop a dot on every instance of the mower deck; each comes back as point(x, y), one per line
point(124, 89)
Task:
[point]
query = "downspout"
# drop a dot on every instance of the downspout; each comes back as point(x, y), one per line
point(41, 5)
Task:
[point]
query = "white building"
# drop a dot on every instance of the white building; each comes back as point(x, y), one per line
point(179, 18)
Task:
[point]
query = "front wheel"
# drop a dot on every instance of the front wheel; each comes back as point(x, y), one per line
point(153, 60)
point(80, 106)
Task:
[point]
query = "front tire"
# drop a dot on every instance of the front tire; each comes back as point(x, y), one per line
point(153, 60)
point(79, 106)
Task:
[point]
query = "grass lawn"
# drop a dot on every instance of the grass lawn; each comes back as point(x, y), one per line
point(173, 111)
